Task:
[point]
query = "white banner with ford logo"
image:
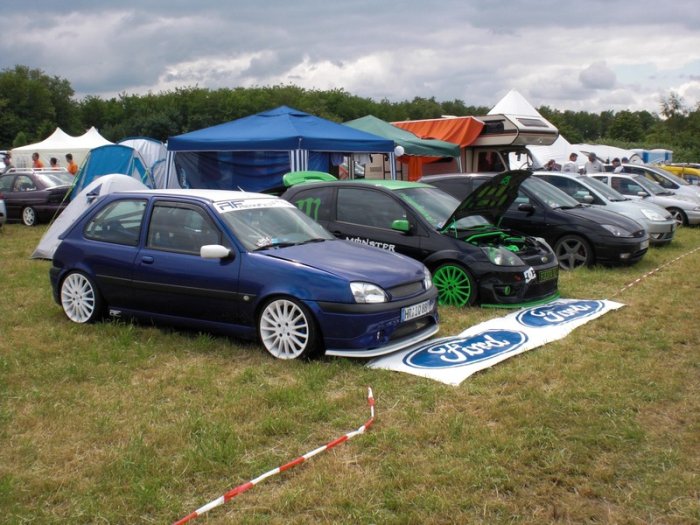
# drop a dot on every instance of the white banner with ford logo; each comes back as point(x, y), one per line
point(453, 359)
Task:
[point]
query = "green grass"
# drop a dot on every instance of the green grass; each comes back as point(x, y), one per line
point(117, 423)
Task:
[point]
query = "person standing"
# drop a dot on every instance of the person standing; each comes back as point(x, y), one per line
point(571, 166)
point(8, 162)
point(594, 165)
point(53, 162)
point(36, 161)
point(72, 166)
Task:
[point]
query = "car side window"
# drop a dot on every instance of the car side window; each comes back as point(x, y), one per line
point(181, 228)
point(6, 183)
point(520, 199)
point(315, 202)
point(24, 183)
point(368, 208)
point(119, 222)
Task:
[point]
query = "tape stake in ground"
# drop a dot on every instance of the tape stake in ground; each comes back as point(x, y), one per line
point(250, 484)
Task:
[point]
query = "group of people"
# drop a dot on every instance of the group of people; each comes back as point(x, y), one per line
point(37, 163)
point(594, 165)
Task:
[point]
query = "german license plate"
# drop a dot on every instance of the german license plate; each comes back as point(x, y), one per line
point(416, 310)
point(547, 275)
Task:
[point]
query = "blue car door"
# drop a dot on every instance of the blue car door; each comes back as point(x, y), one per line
point(171, 276)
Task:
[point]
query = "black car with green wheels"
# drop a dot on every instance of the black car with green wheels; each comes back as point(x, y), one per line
point(471, 259)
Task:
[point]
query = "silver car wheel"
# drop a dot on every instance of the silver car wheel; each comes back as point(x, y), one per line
point(29, 216)
point(79, 298)
point(286, 329)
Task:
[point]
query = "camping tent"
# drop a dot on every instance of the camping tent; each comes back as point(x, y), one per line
point(113, 158)
point(458, 130)
point(153, 153)
point(57, 145)
point(105, 184)
point(417, 151)
point(254, 152)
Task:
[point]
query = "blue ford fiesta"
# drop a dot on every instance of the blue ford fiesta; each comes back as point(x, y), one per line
point(245, 264)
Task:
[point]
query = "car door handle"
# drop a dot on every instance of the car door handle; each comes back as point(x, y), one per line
point(147, 259)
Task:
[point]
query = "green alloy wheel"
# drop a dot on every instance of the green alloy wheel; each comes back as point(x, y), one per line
point(455, 285)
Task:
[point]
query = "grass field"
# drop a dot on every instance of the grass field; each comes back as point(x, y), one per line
point(115, 423)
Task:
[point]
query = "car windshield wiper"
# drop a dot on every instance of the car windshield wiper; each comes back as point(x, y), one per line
point(275, 244)
point(313, 239)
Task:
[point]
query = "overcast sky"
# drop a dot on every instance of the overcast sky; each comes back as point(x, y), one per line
point(583, 56)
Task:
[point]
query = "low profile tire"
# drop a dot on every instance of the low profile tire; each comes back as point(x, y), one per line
point(287, 329)
point(678, 216)
point(29, 217)
point(456, 286)
point(80, 298)
point(573, 252)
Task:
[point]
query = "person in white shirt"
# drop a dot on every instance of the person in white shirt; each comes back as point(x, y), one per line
point(571, 166)
point(593, 165)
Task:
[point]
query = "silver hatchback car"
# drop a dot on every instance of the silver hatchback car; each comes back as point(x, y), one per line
point(685, 210)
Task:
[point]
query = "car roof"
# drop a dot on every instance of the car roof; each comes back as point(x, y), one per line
point(205, 194)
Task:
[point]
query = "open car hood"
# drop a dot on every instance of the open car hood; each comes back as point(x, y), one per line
point(492, 198)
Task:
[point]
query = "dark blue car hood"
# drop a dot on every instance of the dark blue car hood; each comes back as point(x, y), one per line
point(352, 261)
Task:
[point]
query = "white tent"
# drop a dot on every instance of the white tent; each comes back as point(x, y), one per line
point(57, 145)
point(100, 186)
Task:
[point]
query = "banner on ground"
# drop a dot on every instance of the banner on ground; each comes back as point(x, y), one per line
point(452, 359)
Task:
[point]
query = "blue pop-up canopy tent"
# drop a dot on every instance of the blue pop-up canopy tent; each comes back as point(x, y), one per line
point(253, 153)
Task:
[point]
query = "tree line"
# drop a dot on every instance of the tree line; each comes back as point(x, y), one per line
point(33, 104)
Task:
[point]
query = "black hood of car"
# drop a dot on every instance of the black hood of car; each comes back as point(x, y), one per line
point(492, 198)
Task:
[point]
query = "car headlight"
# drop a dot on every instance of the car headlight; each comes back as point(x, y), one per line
point(617, 231)
point(367, 293)
point(653, 215)
point(427, 279)
point(500, 256)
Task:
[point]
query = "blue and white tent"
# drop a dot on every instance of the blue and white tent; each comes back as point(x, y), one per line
point(113, 158)
point(254, 152)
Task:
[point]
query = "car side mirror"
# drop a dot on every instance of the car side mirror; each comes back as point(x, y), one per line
point(401, 225)
point(642, 194)
point(588, 198)
point(214, 251)
point(527, 208)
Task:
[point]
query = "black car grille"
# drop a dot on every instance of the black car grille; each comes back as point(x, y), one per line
point(406, 290)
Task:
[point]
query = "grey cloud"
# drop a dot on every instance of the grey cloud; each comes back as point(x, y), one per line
point(598, 76)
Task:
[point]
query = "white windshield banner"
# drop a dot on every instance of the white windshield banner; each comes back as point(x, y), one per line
point(453, 359)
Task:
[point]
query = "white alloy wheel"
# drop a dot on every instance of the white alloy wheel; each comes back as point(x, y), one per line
point(79, 298)
point(286, 329)
point(29, 216)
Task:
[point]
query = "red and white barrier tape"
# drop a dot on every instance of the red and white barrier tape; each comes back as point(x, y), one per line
point(651, 272)
point(250, 484)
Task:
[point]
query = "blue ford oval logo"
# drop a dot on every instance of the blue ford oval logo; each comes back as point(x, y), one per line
point(459, 351)
point(558, 313)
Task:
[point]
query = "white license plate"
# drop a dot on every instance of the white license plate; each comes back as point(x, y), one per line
point(416, 310)
point(644, 245)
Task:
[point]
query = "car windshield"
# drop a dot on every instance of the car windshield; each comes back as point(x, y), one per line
point(51, 180)
point(436, 206)
point(675, 178)
point(552, 196)
point(650, 186)
point(606, 191)
point(270, 223)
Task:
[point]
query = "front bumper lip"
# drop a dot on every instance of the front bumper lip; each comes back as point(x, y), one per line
point(392, 347)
